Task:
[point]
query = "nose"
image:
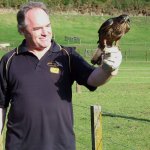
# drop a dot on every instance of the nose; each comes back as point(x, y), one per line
point(44, 31)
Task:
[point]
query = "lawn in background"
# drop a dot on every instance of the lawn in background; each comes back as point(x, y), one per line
point(126, 95)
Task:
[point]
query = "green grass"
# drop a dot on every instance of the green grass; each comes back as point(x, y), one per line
point(85, 27)
point(126, 94)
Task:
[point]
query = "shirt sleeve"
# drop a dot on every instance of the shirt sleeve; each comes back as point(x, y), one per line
point(81, 69)
point(3, 85)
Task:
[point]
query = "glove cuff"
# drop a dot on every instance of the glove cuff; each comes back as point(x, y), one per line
point(108, 69)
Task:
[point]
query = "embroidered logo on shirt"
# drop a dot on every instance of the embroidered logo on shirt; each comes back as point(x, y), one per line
point(54, 70)
point(55, 66)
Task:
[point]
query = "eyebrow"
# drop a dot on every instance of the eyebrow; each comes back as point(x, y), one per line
point(40, 27)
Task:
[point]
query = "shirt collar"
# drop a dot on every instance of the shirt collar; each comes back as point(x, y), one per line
point(22, 47)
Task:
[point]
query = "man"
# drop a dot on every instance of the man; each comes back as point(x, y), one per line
point(36, 80)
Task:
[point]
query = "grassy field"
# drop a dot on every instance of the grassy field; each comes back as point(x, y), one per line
point(126, 95)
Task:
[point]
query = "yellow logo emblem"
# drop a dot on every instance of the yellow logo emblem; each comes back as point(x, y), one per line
point(54, 70)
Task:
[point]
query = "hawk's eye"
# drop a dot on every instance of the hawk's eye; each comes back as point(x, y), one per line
point(122, 20)
point(128, 20)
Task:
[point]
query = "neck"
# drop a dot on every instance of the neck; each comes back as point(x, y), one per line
point(39, 53)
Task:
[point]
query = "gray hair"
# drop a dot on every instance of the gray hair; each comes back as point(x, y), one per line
point(24, 9)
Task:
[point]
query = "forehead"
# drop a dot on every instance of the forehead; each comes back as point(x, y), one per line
point(36, 16)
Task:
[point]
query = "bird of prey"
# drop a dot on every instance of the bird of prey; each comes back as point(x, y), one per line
point(110, 33)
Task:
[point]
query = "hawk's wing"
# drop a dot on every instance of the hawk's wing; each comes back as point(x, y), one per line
point(106, 25)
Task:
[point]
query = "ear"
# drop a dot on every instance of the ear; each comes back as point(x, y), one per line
point(22, 31)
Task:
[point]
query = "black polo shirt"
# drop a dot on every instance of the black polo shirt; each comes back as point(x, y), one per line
point(40, 97)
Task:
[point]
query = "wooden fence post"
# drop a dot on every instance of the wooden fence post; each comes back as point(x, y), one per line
point(96, 127)
point(78, 88)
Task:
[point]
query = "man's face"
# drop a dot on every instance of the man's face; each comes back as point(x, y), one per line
point(38, 33)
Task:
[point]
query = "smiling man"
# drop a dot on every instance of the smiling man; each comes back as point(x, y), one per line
point(38, 32)
point(36, 80)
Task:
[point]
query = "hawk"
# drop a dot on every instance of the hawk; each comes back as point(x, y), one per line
point(110, 33)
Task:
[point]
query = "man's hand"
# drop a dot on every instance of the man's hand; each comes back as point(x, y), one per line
point(112, 59)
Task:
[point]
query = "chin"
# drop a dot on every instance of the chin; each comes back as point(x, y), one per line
point(45, 44)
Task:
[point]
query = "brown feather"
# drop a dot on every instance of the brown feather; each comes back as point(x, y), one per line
point(110, 33)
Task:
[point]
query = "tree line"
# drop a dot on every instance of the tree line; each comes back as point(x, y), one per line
point(82, 5)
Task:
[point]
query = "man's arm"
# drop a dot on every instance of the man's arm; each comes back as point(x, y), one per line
point(111, 62)
point(98, 77)
point(2, 118)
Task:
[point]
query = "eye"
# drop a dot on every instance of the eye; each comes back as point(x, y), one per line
point(128, 20)
point(48, 25)
point(36, 28)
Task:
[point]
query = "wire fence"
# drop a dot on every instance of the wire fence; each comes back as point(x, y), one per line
point(83, 129)
point(82, 122)
point(116, 123)
point(130, 51)
point(120, 127)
